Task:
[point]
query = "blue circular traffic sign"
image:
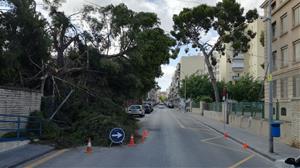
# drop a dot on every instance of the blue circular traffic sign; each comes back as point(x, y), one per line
point(117, 135)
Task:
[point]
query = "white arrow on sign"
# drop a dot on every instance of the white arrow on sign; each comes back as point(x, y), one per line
point(118, 135)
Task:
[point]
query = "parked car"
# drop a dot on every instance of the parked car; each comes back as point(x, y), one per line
point(170, 105)
point(288, 163)
point(149, 105)
point(136, 110)
point(147, 108)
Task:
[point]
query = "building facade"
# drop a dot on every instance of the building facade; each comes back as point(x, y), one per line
point(286, 56)
point(286, 62)
point(173, 94)
point(189, 65)
point(152, 96)
point(230, 68)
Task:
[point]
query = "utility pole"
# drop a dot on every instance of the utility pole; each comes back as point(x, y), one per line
point(269, 45)
point(184, 93)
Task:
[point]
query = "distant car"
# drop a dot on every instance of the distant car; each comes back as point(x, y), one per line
point(136, 110)
point(288, 163)
point(161, 106)
point(170, 105)
point(147, 108)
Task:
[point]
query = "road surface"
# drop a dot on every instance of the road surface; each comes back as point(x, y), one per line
point(175, 140)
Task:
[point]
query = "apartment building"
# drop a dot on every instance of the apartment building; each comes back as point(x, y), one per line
point(188, 65)
point(173, 94)
point(230, 68)
point(286, 61)
point(192, 65)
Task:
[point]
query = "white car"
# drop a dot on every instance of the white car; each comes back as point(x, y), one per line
point(288, 163)
point(136, 110)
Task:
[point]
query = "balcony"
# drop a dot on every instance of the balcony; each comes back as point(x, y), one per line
point(238, 63)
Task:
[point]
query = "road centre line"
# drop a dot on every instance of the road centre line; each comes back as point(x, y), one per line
point(45, 159)
point(242, 161)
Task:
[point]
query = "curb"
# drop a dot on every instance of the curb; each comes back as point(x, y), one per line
point(30, 159)
point(240, 142)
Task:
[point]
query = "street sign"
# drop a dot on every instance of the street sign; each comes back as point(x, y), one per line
point(269, 77)
point(117, 135)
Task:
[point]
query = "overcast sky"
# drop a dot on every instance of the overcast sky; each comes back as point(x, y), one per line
point(165, 10)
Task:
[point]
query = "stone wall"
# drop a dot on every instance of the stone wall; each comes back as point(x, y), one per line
point(19, 101)
point(296, 130)
point(290, 130)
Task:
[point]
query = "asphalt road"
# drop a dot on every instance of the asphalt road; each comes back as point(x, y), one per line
point(175, 140)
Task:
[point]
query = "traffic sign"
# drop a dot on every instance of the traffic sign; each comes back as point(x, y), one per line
point(117, 135)
point(269, 77)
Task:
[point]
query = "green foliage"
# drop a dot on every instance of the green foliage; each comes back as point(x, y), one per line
point(162, 98)
point(86, 60)
point(24, 44)
point(227, 19)
point(198, 88)
point(245, 89)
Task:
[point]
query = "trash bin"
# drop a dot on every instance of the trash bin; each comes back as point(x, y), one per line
point(275, 129)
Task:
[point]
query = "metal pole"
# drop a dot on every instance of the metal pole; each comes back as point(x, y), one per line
point(269, 45)
point(185, 94)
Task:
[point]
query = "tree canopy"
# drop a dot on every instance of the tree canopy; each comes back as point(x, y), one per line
point(199, 88)
point(227, 18)
point(101, 56)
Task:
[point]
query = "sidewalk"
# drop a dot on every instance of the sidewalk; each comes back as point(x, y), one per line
point(20, 155)
point(256, 143)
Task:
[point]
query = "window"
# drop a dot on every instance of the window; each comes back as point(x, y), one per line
point(284, 56)
point(273, 5)
point(296, 86)
point(284, 88)
point(274, 89)
point(284, 24)
point(283, 111)
point(274, 60)
point(274, 30)
point(296, 13)
point(297, 51)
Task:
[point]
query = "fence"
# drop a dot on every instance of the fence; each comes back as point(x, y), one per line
point(213, 106)
point(195, 104)
point(253, 109)
point(17, 127)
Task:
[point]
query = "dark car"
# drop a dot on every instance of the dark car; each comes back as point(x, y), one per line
point(147, 109)
point(150, 106)
point(170, 105)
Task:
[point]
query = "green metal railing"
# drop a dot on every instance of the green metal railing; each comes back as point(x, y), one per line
point(213, 106)
point(195, 104)
point(253, 109)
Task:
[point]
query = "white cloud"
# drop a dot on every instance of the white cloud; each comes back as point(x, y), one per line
point(166, 79)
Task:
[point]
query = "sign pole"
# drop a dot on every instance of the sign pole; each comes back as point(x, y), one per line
point(270, 60)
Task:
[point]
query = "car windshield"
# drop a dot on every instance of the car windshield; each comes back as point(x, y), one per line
point(135, 107)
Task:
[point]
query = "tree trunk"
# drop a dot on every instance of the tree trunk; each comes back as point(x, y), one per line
point(212, 77)
point(60, 58)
